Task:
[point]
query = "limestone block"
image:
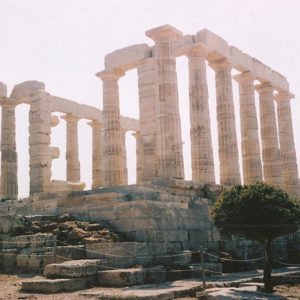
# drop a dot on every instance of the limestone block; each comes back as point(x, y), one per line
point(39, 138)
point(279, 81)
point(25, 90)
point(262, 71)
point(35, 263)
point(3, 90)
point(72, 269)
point(213, 42)
point(22, 262)
point(8, 262)
point(39, 127)
point(8, 223)
point(127, 58)
point(54, 286)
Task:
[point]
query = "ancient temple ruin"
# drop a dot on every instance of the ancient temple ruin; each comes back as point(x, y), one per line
point(158, 131)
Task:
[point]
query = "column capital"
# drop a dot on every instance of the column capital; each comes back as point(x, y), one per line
point(4, 101)
point(164, 33)
point(110, 74)
point(244, 77)
point(136, 134)
point(70, 118)
point(95, 124)
point(221, 64)
point(283, 96)
point(264, 87)
point(198, 51)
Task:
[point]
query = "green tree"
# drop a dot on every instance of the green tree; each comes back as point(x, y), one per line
point(258, 212)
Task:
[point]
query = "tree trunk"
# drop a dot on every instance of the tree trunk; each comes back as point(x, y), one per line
point(268, 267)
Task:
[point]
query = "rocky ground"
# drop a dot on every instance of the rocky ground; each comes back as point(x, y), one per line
point(11, 284)
point(68, 230)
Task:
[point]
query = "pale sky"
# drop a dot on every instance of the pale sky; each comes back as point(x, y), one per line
point(63, 43)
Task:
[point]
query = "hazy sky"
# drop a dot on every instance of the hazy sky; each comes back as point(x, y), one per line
point(63, 43)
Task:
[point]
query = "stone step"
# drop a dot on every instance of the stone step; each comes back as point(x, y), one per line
point(73, 269)
point(140, 276)
point(54, 285)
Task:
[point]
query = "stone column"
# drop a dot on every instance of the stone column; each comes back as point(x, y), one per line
point(148, 100)
point(9, 159)
point(289, 164)
point(97, 154)
point(201, 144)
point(41, 154)
point(269, 137)
point(252, 167)
point(228, 150)
point(72, 156)
point(139, 161)
point(124, 153)
point(168, 120)
point(113, 165)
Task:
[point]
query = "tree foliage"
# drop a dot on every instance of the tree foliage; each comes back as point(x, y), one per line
point(257, 212)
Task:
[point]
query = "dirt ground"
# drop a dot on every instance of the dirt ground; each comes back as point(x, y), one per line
point(10, 286)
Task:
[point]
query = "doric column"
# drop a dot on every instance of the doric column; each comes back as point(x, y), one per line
point(113, 165)
point(72, 156)
point(124, 153)
point(139, 160)
point(269, 137)
point(9, 159)
point(252, 167)
point(168, 120)
point(41, 154)
point(148, 100)
point(201, 144)
point(228, 150)
point(96, 154)
point(288, 157)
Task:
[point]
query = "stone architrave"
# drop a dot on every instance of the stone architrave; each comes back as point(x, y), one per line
point(252, 166)
point(123, 140)
point(139, 160)
point(269, 136)
point(113, 160)
point(200, 132)
point(41, 154)
point(9, 158)
point(96, 154)
point(228, 149)
point(72, 155)
point(289, 164)
point(148, 99)
point(170, 158)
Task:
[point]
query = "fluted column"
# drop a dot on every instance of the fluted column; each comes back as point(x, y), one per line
point(139, 161)
point(170, 156)
point(96, 154)
point(228, 150)
point(289, 166)
point(9, 159)
point(124, 153)
point(201, 144)
point(72, 155)
point(113, 165)
point(41, 154)
point(252, 167)
point(148, 100)
point(269, 136)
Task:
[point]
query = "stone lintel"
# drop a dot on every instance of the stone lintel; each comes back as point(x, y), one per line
point(162, 33)
point(110, 74)
point(264, 87)
point(25, 91)
point(244, 77)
